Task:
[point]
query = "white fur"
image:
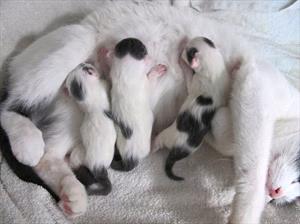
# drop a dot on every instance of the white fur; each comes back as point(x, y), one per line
point(260, 95)
point(210, 80)
point(131, 105)
point(97, 130)
point(27, 141)
point(82, 128)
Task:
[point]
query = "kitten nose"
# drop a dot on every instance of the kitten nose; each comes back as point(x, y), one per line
point(276, 193)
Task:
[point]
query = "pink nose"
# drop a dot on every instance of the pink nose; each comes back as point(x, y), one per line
point(276, 193)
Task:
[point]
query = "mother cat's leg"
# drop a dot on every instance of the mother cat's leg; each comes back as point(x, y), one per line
point(220, 136)
point(35, 78)
point(255, 108)
point(56, 173)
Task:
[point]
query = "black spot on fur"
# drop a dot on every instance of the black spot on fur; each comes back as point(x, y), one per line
point(125, 165)
point(203, 101)
point(177, 153)
point(207, 117)
point(20, 108)
point(117, 156)
point(109, 114)
point(126, 131)
point(190, 54)
point(33, 112)
point(209, 42)
point(25, 173)
point(195, 129)
point(131, 46)
point(44, 122)
point(3, 95)
point(298, 162)
point(187, 123)
point(96, 182)
point(196, 137)
point(77, 90)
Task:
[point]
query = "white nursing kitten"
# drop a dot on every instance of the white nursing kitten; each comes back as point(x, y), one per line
point(131, 69)
point(82, 128)
point(97, 130)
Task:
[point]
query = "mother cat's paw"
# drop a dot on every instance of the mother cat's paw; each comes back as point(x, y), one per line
point(28, 148)
point(73, 197)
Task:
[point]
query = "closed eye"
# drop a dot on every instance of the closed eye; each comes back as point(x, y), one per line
point(293, 182)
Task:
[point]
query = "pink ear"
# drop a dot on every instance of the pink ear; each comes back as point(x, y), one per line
point(195, 63)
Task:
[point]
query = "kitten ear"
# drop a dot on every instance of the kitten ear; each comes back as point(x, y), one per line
point(195, 62)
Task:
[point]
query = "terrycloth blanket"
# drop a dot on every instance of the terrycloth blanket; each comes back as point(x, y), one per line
point(146, 195)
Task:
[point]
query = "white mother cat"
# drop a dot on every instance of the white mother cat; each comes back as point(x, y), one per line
point(260, 98)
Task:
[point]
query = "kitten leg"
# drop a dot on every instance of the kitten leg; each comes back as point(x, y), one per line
point(56, 173)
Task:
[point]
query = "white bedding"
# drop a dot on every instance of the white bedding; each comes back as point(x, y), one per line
point(145, 195)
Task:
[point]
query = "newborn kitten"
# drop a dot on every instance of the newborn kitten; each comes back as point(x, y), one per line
point(97, 131)
point(208, 90)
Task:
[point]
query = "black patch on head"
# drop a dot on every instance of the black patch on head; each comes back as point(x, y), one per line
point(77, 90)
point(177, 153)
point(25, 173)
point(131, 46)
point(127, 164)
point(204, 101)
point(209, 42)
point(190, 54)
point(96, 182)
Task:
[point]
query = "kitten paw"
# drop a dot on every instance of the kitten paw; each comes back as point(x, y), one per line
point(73, 197)
point(158, 70)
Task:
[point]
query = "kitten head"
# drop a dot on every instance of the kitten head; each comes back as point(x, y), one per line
point(201, 54)
point(86, 87)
